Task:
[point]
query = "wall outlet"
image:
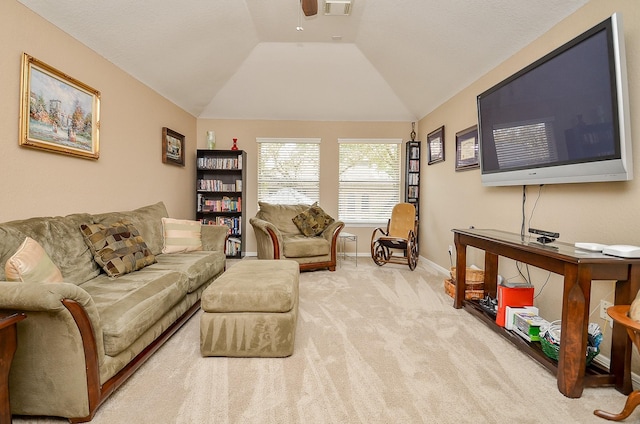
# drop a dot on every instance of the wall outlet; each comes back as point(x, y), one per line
point(604, 305)
point(450, 249)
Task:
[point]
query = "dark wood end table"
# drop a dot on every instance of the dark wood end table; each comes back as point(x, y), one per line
point(8, 345)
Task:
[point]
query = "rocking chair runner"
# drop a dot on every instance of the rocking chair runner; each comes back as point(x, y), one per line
point(400, 235)
point(619, 313)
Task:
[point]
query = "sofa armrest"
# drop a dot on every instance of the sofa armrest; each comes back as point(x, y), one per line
point(214, 237)
point(48, 298)
point(269, 239)
point(59, 342)
point(331, 232)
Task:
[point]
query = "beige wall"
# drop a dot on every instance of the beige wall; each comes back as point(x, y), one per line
point(599, 212)
point(129, 173)
point(247, 131)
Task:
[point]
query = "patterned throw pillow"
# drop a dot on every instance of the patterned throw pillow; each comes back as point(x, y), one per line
point(31, 264)
point(313, 221)
point(181, 235)
point(118, 249)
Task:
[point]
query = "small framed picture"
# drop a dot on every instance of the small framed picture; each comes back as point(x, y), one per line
point(435, 145)
point(467, 149)
point(172, 147)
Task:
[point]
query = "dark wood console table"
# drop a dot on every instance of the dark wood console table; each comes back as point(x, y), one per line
point(8, 344)
point(579, 267)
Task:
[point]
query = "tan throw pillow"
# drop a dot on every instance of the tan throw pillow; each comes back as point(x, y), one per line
point(31, 264)
point(634, 311)
point(118, 249)
point(181, 235)
point(313, 221)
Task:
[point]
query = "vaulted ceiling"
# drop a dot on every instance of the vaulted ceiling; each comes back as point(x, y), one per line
point(389, 60)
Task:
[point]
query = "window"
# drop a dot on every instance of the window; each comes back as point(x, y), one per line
point(288, 170)
point(369, 182)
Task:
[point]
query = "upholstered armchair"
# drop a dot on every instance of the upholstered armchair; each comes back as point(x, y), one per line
point(302, 233)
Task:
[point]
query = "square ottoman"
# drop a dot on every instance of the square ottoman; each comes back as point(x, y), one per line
point(251, 310)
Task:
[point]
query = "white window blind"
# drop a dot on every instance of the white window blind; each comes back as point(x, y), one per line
point(289, 170)
point(524, 145)
point(369, 181)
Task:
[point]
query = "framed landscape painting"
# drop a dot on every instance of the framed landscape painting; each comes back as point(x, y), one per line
point(57, 112)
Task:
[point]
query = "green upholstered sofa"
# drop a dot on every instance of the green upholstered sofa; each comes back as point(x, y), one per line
point(84, 336)
point(278, 237)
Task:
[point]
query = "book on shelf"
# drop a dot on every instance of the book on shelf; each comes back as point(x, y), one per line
point(234, 246)
point(218, 185)
point(217, 163)
point(224, 204)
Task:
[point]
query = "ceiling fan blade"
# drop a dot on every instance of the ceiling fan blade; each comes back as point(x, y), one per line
point(309, 7)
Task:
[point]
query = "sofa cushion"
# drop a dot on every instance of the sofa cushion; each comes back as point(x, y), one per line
point(181, 235)
point(312, 221)
point(147, 219)
point(299, 246)
point(31, 263)
point(198, 267)
point(133, 303)
point(118, 249)
point(238, 289)
point(59, 237)
point(281, 216)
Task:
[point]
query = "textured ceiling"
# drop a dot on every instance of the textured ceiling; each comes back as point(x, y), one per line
point(390, 60)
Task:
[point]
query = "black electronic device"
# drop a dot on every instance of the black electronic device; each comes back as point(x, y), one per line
point(550, 234)
point(545, 236)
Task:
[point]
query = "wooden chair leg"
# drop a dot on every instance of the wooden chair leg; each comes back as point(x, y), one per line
point(633, 400)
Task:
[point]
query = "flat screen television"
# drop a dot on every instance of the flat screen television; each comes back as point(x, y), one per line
point(562, 119)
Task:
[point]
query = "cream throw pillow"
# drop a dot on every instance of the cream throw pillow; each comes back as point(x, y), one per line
point(31, 264)
point(181, 235)
point(634, 311)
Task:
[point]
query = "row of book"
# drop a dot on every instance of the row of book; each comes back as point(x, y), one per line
point(220, 163)
point(413, 179)
point(219, 185)
point(225, 204)
point(233, 222)
point(234, 246)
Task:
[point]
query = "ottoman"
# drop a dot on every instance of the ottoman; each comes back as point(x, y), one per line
point(251, 310)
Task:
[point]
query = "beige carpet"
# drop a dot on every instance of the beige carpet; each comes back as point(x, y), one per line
point(373, 345)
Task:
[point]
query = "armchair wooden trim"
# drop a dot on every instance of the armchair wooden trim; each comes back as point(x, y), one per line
point(620, 316)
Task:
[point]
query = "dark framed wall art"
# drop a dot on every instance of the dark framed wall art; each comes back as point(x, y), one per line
point(435, 146)
point(172, 147)
point(467, 149)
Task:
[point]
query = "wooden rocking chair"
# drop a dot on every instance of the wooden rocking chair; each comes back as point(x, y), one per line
point(619, 313)
point(401, 234)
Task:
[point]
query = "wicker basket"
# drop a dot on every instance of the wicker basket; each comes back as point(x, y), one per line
point(469, 294)
point(552, 349)
point(474, 278)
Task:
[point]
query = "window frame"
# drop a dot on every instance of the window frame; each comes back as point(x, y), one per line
point(381, 220)
point(284, 140)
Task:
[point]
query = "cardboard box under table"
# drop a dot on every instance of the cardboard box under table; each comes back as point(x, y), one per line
point(251, 310)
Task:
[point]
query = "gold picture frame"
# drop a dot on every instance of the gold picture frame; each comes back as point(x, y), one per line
point(172, 147)
point(57, 112)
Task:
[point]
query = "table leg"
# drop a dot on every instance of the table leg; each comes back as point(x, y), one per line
point(461, 270)
point(8, 345)
point(574, 325)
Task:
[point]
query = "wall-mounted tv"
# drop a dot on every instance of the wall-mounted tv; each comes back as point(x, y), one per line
point(562, 119)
